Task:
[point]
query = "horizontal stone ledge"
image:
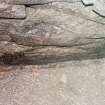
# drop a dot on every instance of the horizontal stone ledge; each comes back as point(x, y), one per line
point(28, 2)
point(12, 11)
point(61, 41)
point(49, 54)
point(11, 52)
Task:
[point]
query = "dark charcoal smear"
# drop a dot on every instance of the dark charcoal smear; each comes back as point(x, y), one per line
point(8, 58)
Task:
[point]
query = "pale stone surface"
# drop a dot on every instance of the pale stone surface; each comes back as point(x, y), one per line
point(70, 83)
point(52, 32)
point(63, 34)
point(12, 11)
point(36, 1)
point(99, 7)
point(58, 27)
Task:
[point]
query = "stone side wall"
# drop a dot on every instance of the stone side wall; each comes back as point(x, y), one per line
point(53, 29)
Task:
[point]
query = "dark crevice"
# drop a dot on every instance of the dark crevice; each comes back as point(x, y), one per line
point(87, 4)
point(98, 14)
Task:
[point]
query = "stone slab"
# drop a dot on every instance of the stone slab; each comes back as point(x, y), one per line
point(36, 1)
point(66, 83)
point(12, 11)
point(52, 27)
point(77, 7)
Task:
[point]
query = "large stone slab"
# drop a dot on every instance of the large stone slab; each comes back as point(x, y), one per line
point(77, 7)
point(12, 11)
point(28, 2)
point(66, 83)
point(59, 28)
point(62, 34)
point(49, 26)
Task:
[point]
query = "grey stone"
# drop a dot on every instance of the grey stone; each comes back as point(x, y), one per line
point(43, 27)
point(73, 36)
point(57, 29)
point(77, 7)
point(28, 2)
point(99, 7)
point(60, 28)
point(88, 2)
point(12, 11)
point(42, 84)
point(53, 32)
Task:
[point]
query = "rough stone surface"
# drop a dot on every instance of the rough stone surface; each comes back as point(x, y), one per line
point(12, 11)
point(32, 49)
point(59, 27)
point(36, 1)
point(70, 83)
point(11, 52)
